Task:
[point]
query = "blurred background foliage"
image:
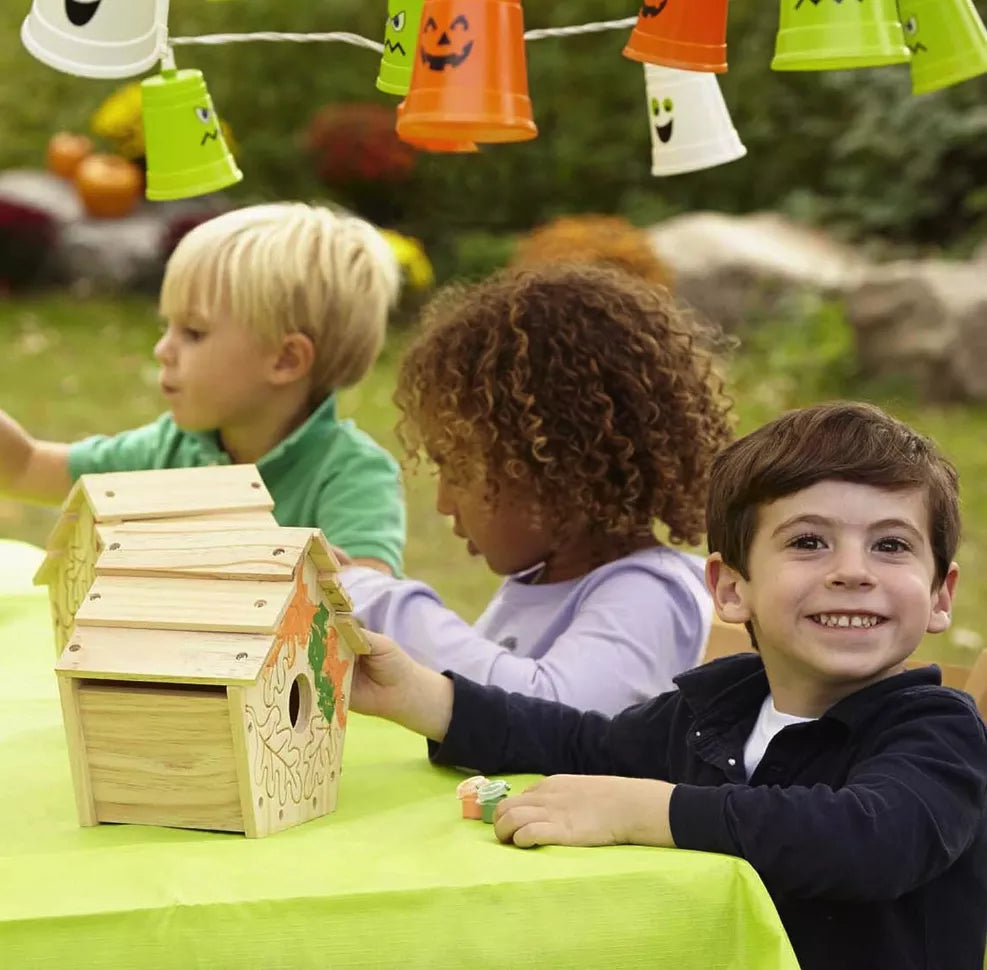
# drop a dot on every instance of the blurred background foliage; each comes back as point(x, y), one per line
point(850, 150)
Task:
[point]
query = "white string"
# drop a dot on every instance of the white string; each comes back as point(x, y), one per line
point(357, 41)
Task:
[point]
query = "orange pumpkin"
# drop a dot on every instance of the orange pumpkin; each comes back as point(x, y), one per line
point(109, 185)
point(65, 151)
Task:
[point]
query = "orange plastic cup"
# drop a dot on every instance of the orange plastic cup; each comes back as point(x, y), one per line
point(437, 145)
point(469, 81)
point(688, 34)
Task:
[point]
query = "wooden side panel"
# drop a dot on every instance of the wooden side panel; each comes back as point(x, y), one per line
point(185, 604)
point(68, 691)
point(161, 756)
point(245, 553)
point(175, 491)
point(75, 571)
point(253, 814)
point(171, 656)
point(295, 715)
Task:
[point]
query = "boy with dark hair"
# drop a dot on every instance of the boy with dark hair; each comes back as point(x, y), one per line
point(856, 788)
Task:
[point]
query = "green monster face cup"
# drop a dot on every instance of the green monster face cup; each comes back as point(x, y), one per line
point(947, 40)
point(831, 35)
point(185, 150)
point(400, 41)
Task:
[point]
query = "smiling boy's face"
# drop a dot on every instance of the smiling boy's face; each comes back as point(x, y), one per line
point(840, 590)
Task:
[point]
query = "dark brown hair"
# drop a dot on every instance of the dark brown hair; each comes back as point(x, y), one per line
point(848, 442)
point(586, 386)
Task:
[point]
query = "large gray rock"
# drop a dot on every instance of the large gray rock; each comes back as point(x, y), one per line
point(926, 321)
point(737, 268)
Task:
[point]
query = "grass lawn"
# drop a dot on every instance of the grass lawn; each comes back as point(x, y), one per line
point(71, 368)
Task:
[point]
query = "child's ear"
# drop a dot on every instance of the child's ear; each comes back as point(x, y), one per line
point(727, 588)
point(294, 360)
point(942, 602)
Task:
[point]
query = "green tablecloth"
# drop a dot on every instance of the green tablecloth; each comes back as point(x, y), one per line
point(395, 878)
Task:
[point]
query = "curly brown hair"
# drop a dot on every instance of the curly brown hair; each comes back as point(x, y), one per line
point(585, 386)
point(598, 239)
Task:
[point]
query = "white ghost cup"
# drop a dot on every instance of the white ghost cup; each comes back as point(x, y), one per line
point(688, 120)
point(97, 38)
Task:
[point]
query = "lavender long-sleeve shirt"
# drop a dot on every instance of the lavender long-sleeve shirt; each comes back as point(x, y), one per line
point(604, 641)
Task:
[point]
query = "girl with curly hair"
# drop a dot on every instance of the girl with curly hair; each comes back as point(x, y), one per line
point(566, 409)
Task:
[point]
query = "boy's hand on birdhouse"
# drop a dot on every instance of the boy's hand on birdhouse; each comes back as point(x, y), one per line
point(388, 683)
point(587, 810)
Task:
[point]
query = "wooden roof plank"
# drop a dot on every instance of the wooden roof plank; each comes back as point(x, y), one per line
point(247, 606)
point(176, 656)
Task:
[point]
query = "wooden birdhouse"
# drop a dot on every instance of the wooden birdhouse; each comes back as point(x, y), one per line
point(205, 683)
point(212, 497)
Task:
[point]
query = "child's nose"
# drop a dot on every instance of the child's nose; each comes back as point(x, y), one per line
point(163, 349)
point(851, 570)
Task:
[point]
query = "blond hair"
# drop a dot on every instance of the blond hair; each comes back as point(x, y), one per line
point(290, 267)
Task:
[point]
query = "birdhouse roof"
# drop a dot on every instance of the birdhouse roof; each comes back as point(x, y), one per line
point(196, 606)
point(229, 493)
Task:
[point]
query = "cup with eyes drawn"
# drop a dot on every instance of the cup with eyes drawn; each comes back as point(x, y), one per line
point(832, 35)
point(400, 36)
point(96, 38)
point(184, 145)
point(688, 121)
point(947, 41)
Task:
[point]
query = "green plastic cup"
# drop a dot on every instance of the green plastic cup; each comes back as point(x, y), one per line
point(947, 40)
point(400, 40)
point(184, 146)
point(829, 35)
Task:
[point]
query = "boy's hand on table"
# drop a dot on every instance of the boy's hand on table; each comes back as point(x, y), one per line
point(587, 810)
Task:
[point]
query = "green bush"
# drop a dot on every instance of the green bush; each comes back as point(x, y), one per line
point(850, 149)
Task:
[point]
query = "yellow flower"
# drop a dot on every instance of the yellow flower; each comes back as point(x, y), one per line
point(411, 256)
point(118, 120)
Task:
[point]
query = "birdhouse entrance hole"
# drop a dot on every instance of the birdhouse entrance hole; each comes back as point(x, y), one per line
point(299, 702)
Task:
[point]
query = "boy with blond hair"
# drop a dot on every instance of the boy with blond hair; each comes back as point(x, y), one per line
point(269, 311)
point(855, 787)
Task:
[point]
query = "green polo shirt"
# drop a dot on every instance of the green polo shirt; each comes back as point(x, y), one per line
point(326, 474)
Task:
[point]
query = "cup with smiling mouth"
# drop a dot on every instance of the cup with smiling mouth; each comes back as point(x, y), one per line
point(96, 38)
point(689, 122)
point(469, 77)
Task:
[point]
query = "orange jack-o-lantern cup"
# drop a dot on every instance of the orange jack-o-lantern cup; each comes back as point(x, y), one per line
point(469, 82)
point(688, 34)
point(437, 145)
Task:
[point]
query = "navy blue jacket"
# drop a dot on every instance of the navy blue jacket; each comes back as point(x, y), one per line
point(867, 826)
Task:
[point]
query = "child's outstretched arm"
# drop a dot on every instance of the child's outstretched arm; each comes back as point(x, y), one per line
point(625, 642)
point(36, 471)
point(389, 684)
